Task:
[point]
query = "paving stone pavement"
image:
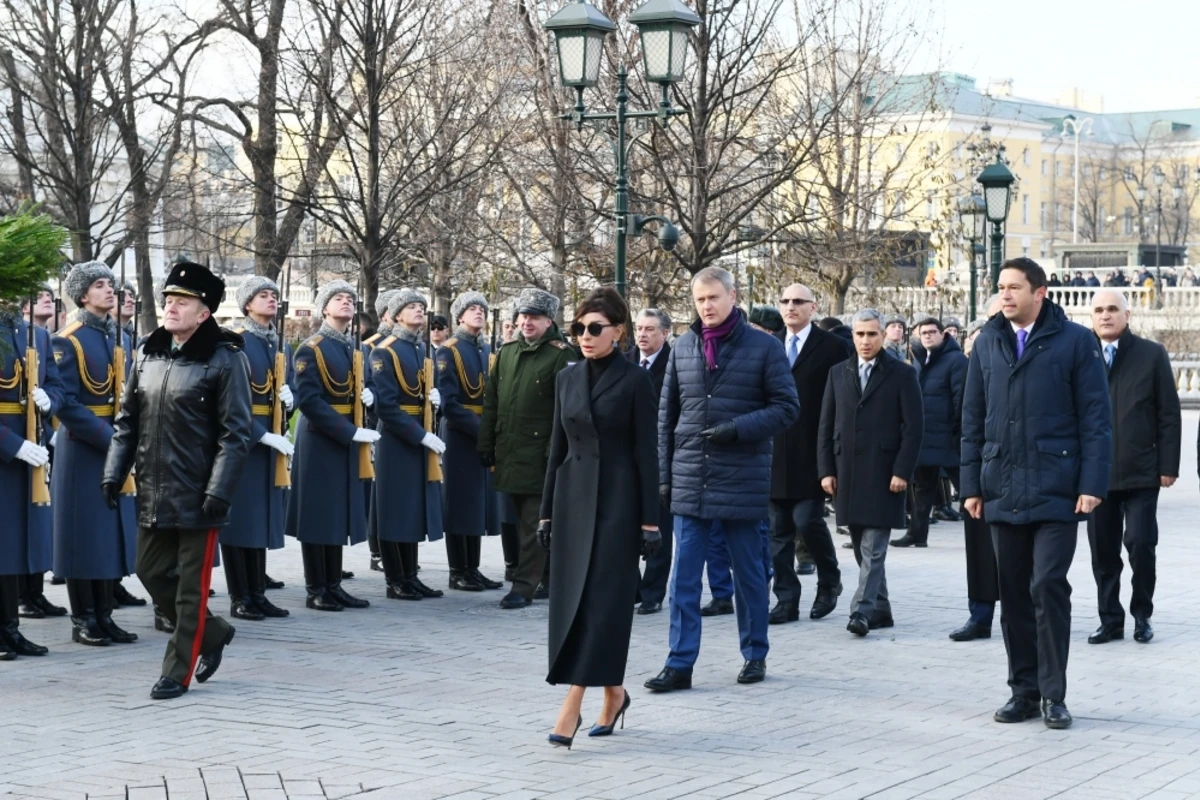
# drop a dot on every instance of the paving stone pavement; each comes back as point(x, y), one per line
point(446, 699)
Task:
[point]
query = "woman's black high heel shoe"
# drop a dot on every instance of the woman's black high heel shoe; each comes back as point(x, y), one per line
point(606, 730)
point(565, 741)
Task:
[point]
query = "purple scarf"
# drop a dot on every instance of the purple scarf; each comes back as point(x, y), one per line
point(714, 335)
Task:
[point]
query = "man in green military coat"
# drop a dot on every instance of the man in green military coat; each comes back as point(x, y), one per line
point(514, 434)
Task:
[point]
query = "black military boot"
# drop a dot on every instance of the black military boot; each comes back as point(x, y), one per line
point(411, 568)
point(85, 630)
point(256, 565)
point(162, 622)
point(333, 579)
point(474, 550)
point(10, 635)
point(237, 577)
point(35, 595)
point(122, 597)
point(104, 592)
point(319, 598)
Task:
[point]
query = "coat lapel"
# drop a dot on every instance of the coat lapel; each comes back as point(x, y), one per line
point(881, 366)
point(610, 377)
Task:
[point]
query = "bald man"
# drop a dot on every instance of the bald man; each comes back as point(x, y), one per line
point(797, 499)
point(1147, 428)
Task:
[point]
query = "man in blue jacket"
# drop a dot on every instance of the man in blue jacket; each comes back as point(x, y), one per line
point(1036, 450)
point(726, 393)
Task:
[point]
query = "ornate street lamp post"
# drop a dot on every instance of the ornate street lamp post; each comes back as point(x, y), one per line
point(972, 211)
point(663, 27)
point(997, 180)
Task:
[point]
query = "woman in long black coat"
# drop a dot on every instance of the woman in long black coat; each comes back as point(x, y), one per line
point(603, 434)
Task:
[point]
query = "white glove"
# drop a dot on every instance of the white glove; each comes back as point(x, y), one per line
point(433, 443)
point(368, 397)
point(366, 435)
point(285, 394)
point(277, 442)
point(41, 400)
point(54, 439)
point(435, 397)
point(36, 456)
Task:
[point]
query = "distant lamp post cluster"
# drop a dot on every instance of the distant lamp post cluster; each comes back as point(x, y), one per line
point(1159, 177)
point(972, 211)
point(664, 27)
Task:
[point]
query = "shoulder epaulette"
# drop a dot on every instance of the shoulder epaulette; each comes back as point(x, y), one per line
point(315, 340)
point(453, 340)
point(70, 329)
point(387, 342)
point(560, 344)
point(371, 339)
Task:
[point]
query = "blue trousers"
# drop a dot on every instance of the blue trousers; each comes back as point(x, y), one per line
point(720, 578)
point(744, 540)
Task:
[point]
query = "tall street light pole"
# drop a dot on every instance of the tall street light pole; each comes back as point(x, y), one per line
point(664, 27)
point(997, 181)
point(1077, 127)
point(972, 211)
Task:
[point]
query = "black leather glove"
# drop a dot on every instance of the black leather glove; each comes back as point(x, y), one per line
point(724, 433)
point(488, 459)
point(215, 509)
point(543, 534)
point(112, 494)
point(664, 494)
point(651, 542)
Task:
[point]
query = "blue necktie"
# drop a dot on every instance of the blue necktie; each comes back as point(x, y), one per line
point(1021, 337)
point(1110, 352)
point(793, 353)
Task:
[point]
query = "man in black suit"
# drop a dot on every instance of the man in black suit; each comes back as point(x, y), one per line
point(651, 329)
point(797, 499)
point(1146, 431)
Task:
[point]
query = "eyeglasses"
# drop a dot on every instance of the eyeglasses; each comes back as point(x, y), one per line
point(593, 328)
point(794, 301)
point(437, 326)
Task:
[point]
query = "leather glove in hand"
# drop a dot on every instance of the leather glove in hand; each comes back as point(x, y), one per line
point(41, 400)
point(285, 394)
point(33, 454)
point(214, 508)
point(434, 443)
point(651, 542)
point(368, 397)
point(664, 494)
point(543, 534)
point(366, 435)
point(112, 494)
point(435, 397)
point(487, 459)
point(724, 433)
point(278, 442)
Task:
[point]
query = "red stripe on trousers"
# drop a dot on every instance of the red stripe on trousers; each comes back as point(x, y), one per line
point(210, 551)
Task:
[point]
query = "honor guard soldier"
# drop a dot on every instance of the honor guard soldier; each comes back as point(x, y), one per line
point(327, 506)
point(94, 545)
point(184, 427)
point(514, 435)
point(127, 299)
point(260, 498)
point(382, 332)
point(469, 511)
point(25, 537)
point(407, 503)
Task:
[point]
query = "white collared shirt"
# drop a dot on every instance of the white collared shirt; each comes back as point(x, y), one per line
point(649, 359)
point(801, 336)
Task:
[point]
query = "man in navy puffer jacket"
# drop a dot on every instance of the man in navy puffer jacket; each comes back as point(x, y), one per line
point(726, 393)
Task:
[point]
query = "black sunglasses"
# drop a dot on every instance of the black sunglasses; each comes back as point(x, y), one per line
point(437, 326)
point(593, 328)
point(793, 301)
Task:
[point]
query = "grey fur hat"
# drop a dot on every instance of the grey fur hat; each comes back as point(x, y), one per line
point(82, 276)
point(402, 298)
point(465, 301)
point(888, 320)
point(951, 322)
point(535, 301)
point(252, 286)
point(326, 293)
point(976, 325)
point(382, 299)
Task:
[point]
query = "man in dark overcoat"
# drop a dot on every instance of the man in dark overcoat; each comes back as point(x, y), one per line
point(869, 438)
point(797, 499)
point(942, 371)
point(1146, 431)
point(1036, 450)
point(469, 502)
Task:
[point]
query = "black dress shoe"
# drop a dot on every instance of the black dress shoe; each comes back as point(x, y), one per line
point(57, 581)
point(784, 612)
point(1018, 709)
point(244, 608)
point(806, 568)
point(858, 624)
point(717, 607)
point(271, 583)
point(27, 610)
point(210, 662)
point(485, 581)
point(425, 591)
point(123, 598)
point(464, 582)
point(648, 607)
point(971, 631)
point(1142, 632)
point(87, 631)
point(1056, 715)
point(48, 608)
point(514, 600)
point(344, 598)
point(404, 590)
point(5, 653)
point(161, 622)
point(670, 680)
point(114, 632)
point(825, 602)
point(347, 574)
point(753, 671)
point(908, 541)
point(946, 514)
point(879, 620)
point(376, 563)
point(542, 592)
point(17, 643)
point(323, 601)
point(267, 608)
point(167, 689)
point(1107, 633)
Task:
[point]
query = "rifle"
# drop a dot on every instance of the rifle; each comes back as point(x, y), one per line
point(283, 478)
point(39, 477)
point(495, 333)
point(119, 366)
point(433, 466)
point(366, 468)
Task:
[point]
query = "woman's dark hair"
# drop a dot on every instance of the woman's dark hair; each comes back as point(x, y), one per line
point(1031, 269)
point(606, 301)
